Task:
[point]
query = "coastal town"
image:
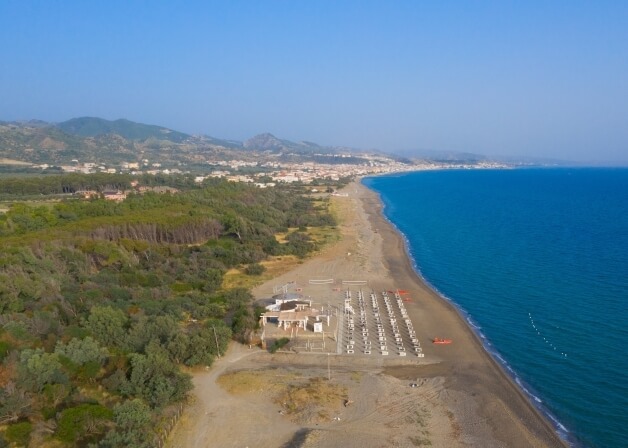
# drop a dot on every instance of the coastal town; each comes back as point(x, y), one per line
point(261, 175)
point(267, 174)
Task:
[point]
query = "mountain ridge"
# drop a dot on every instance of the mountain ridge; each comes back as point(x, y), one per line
point(104, 141)
point(131, 130)
point(268, 142)
point(101, 141)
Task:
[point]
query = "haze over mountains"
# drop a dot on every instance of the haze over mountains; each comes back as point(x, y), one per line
point(105, 141)
point(108, 141)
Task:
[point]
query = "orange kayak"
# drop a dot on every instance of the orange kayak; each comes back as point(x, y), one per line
point(441, 341)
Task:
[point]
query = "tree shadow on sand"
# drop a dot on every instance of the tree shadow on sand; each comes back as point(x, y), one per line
point(297, 440)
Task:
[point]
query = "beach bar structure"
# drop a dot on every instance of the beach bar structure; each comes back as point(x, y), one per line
point(286, 319)
point(294, 313)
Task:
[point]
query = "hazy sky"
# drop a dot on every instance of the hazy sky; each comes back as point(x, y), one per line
point(545, 78)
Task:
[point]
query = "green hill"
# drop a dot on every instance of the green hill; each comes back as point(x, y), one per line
point(105, 142)
point(93, 127)
point(268, 142)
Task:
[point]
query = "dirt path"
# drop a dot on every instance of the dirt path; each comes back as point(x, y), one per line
point(219, 419)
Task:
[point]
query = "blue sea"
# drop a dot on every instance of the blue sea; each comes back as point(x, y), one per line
point(537, 260)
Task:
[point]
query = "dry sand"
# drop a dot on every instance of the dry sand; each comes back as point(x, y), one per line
point(251, 398)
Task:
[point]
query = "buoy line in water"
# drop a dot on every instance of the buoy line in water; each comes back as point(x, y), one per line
point(547, 341)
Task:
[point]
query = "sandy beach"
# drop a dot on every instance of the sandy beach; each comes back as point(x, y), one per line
point(461, 396)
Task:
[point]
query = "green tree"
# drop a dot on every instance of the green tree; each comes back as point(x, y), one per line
point(82, 351)
point(213, 280)
point(202, 346)
point(132, 414)
point(83, 422)
point(156, 379)
point(133, 426)
point(235, 225)
point(37, 368)
point(146, 329)
point(179, 347)
point(56, 393)
point(107, 324)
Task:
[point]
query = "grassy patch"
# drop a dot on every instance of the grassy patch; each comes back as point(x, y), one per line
point(235, 278)
point(421, 418)
point(317, 396)
point(338, 208)
point(420, 441)
point(281, 237)
point(247, 382)
point(244, 382)
point(324, 235)
point(275, 266)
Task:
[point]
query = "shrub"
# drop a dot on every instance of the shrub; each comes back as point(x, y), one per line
point(279, 343)
point(254, 269)
point(4, 349)
point(83, 421)
point(19, 433)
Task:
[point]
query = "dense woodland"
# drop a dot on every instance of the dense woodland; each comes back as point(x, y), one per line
point(101, 303)
point(67, 184)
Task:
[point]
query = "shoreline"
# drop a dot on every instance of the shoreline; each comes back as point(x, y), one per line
point(525, 410)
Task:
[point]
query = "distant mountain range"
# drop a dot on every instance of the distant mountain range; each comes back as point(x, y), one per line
point(92, 139)
point(455, 157)
point(451, 156)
